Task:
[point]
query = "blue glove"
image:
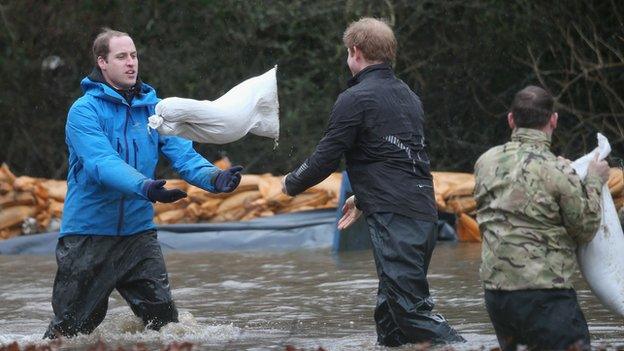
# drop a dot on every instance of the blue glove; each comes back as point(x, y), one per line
point(226, 181)
point(155, 191)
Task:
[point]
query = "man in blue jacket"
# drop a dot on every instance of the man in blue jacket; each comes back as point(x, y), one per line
point(108, 239)
point(377, 123)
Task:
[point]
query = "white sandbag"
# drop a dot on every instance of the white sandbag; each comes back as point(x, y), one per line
point(250, 107)
point(602, 259)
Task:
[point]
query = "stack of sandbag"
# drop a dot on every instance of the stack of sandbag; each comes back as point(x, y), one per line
point(28, 205)
point(256, 196)
point(31, 205)
point(454, 194)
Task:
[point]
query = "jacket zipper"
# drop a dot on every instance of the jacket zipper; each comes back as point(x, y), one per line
point(136, 153)
point(127, 156)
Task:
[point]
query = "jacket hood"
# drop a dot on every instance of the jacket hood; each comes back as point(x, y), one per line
point(95, 85)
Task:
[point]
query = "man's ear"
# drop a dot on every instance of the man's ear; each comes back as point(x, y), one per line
point(553, 120)
point(356, 53)
point(510, 121)
point(101, 62)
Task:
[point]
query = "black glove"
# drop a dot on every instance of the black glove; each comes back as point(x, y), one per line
point(155, 191)
point(226, 181)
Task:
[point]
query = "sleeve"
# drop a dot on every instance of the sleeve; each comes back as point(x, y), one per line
point(190, 165)
point(477, 192)
point(579, 202)
point(100, 160)
point(340, 136)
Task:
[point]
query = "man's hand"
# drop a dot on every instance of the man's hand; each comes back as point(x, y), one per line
point(155, 191)
point(599, 167)
point(226, 181)
point(350, 214)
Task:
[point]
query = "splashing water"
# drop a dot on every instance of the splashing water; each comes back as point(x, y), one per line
point(122, 328)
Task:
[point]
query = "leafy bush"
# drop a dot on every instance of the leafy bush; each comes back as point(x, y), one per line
point(465, 59)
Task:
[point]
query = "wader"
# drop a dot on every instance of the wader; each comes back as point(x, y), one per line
point(90, 267)
point(541, 319)
point(402, 247)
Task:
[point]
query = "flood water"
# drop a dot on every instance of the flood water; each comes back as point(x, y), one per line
point(260, 301)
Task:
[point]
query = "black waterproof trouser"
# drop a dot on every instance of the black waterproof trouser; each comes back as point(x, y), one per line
point(544, 319)
point(90, 267)
point(402, 247)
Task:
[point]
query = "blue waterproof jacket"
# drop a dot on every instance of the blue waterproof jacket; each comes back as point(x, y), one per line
point(112, 153)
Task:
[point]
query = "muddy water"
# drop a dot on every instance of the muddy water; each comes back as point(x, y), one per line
point(260, 301)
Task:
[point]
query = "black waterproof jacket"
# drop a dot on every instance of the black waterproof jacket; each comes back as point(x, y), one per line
point(377, 123)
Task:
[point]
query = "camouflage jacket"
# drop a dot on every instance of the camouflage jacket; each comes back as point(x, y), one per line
point(532, 211)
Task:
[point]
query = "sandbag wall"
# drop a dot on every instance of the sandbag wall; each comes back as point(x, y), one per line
point(29, 205)
point(32, 205)
point(256, 196)
point(454, 193)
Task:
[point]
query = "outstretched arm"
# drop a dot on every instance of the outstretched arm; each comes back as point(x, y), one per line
point(340, 136)
point(191, 166)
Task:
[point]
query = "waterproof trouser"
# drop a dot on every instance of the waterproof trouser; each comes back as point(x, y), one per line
point(402, 248)
point(541, 319)
point(90, 267)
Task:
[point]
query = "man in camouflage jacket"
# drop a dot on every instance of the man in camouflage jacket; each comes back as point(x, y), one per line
point(533, 211)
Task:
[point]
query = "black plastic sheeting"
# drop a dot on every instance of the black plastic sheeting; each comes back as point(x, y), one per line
point(292, 231)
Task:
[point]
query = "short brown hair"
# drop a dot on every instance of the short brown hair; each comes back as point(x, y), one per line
point(532, 107)
point(373, 37)
point(100, 44)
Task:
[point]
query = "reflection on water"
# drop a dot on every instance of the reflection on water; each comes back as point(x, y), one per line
point(259, 301)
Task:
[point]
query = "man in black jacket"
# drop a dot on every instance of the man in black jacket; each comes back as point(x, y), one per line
point(377, 123)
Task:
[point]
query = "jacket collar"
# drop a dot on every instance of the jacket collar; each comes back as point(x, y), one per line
point(128, 94)
point(532, 136)
point(142, 94)
point(377, 70)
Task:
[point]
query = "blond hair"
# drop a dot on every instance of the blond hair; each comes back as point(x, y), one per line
point(100, 44)
point(373, 37)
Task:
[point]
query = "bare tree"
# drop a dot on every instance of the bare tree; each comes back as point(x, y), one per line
point(584, 67)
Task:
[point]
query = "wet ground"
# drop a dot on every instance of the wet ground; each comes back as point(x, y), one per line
point(260, 301)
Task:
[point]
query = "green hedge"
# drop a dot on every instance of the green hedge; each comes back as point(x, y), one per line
point(465, 59)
